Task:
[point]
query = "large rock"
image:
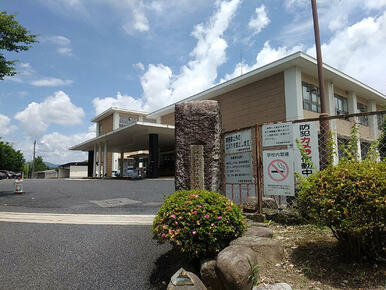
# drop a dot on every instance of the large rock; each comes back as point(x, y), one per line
point(284, 216)
point(198, 123)
point(262, 232)
point(251, 204)
point(277, 286)
point(266, 250)
point(233, 267)
point(197, 283)
point(269, 202)
point(209, 276)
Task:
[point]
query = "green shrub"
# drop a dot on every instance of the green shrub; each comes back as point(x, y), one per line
point(350, 198)
point(198, 223)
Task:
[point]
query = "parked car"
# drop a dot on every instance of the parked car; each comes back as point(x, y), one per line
point(7, 174)
point(2, 175)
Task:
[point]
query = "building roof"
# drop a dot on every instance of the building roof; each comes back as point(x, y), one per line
point(306, 63)
point(111, 111)
point(133, 137)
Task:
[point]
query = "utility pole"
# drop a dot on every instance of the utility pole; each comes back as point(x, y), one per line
point(33, 159)
point(324, 124)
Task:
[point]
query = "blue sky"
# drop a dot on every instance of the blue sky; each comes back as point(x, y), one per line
point(144, 54)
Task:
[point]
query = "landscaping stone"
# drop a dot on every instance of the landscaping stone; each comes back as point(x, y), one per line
point(233, 267)
point(269, 202)
point(209, 276)
point(256, 217)
point(284, 216)
point(276, 286)
point(197, 283)
point(251, 204)
point(263, 232)
point(266, 250)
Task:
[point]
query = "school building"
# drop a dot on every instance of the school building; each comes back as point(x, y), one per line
point(286, 89)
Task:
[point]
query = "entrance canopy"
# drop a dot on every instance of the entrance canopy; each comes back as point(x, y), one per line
point(133, 137)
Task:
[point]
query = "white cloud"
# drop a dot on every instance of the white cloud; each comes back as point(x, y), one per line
point(121, 101)
point(266, 55)
point(24, 70)
point(358, 50)
point(260, 20)
point(161, 87)
point(5, 127)
point(63, 44)
point(57, 109)
point(54, 147)
point(139, 66)
point(51, 82)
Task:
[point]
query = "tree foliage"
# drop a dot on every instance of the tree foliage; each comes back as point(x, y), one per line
point(13, 38)
point(10, 159)
point(382, 141)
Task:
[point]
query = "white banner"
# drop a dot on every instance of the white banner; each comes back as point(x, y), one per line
point(307, 134)
point(277, 134)
point(238, 168)
point(278, 174)
point(238, 142)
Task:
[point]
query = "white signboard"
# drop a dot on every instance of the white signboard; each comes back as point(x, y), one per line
point(238, 168)
point(278, 172)
point(307, 134)
point(277, 134)
point(238, 142)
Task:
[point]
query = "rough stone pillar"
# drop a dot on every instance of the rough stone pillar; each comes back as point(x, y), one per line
point(198, 123)
point(153, 156)
point(90, 166)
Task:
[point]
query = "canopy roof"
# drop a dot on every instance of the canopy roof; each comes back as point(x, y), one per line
point(133, 137)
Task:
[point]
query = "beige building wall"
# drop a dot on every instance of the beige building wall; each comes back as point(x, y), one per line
point(107, 124)
point(261, 101)
point(168, 119)
point(343, 127)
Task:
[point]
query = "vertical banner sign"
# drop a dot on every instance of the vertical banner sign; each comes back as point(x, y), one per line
point(277, 134)
point(307, 135)
point(238, 157)
point(278, 172)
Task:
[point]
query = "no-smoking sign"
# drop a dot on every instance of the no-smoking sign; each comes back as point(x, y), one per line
point(278, 172)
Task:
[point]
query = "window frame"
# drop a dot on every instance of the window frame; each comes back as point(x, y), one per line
point(363, 120)
point(308, 102)
point(339, 100)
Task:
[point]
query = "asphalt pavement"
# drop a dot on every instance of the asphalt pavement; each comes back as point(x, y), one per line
point(86, 196)
point(73, 256)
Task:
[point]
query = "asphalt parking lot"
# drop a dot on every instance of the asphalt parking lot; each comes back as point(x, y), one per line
point(73, 256)
point(86, 196)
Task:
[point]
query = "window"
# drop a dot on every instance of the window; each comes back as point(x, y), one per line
point(363, 120)
point(124, 121)
point(311, 98)
point(341, 107)
point(100, 129)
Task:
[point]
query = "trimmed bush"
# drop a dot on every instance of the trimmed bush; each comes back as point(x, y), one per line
point(350, 198)
point(198, 223)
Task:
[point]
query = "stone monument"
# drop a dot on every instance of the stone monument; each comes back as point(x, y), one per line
point(198, 145)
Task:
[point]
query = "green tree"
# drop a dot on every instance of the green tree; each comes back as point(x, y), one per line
point(39, 165)
point(13, 38)
point(10, 159)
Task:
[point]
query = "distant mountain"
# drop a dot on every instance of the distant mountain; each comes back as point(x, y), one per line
point(50, 165)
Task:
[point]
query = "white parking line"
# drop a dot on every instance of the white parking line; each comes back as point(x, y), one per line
point(76, 219)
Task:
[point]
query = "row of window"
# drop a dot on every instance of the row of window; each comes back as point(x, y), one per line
point(311, 102)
